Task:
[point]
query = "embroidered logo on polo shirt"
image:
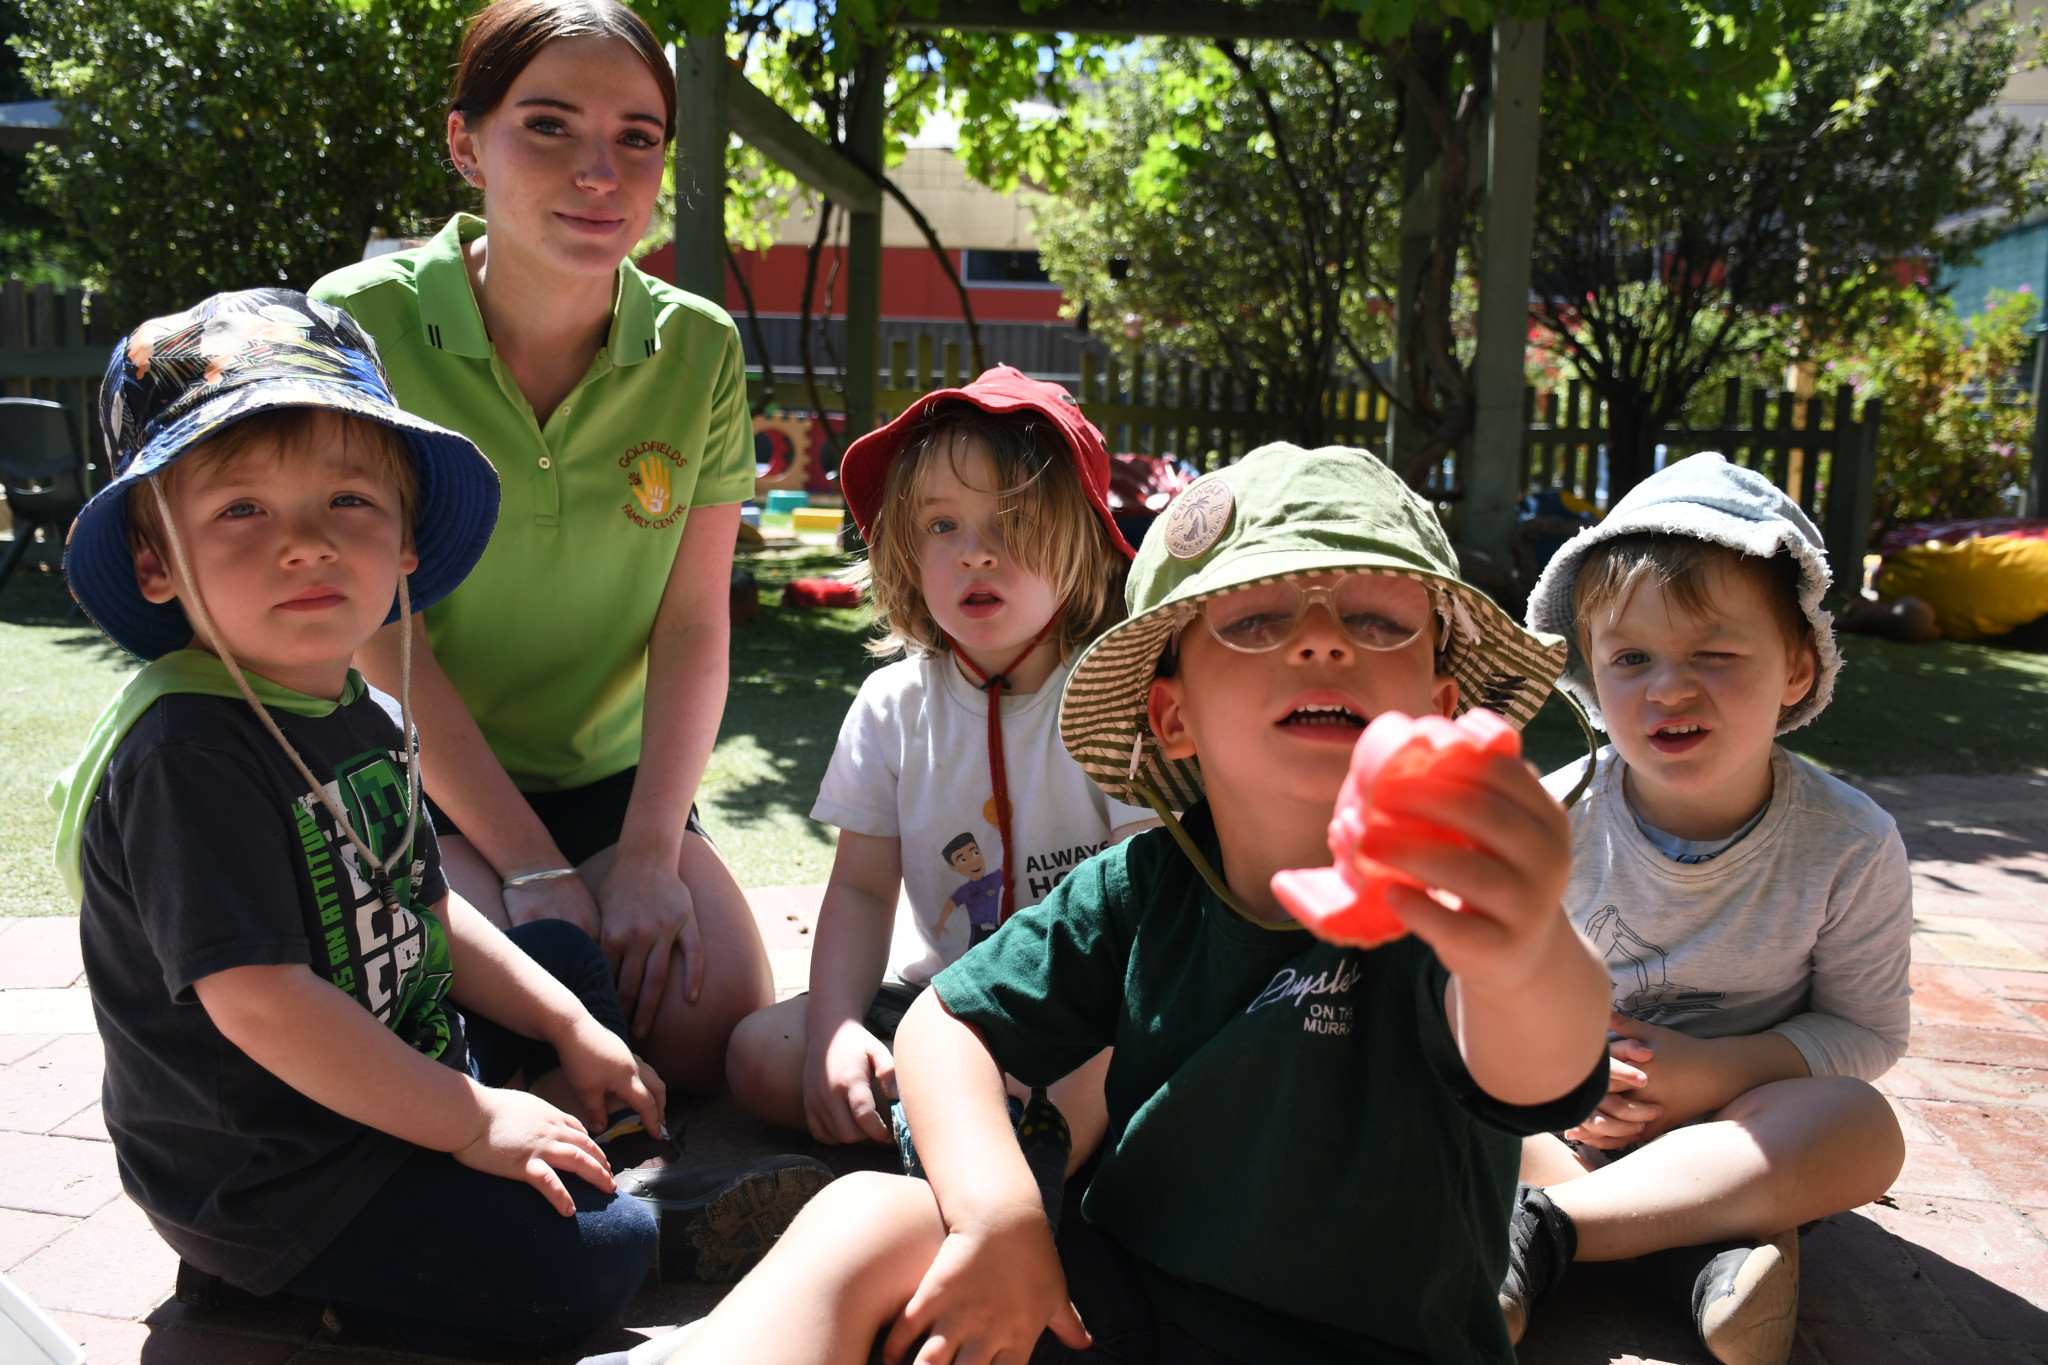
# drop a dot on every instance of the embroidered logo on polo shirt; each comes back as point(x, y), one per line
point(647, 475)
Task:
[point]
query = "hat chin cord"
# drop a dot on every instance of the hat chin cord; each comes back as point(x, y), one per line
point(379, 870)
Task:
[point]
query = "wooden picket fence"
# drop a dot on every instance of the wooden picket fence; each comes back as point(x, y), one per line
point(54, 344)
point(1826, 459)
point(1149, 405)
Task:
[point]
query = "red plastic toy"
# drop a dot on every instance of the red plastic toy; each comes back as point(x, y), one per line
point(1347, 903)
point(820, 592)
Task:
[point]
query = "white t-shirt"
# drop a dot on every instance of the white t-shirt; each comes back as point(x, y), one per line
point(912, 764)
point(1803, 927)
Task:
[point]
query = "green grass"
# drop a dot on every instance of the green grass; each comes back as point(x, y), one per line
point(56, 674)
point(1898, 709)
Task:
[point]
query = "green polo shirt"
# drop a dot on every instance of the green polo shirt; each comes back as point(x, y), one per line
point(546, 639)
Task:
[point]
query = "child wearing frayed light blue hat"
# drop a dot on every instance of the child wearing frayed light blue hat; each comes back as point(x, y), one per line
point(1754, 912)
point(307, 1038)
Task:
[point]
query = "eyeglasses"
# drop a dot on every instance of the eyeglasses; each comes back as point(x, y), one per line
point(1374, 611)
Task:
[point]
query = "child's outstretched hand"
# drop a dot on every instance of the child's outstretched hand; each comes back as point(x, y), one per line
point(1478, 828)
point(526, 1138)
point(1431, 802)
point(991, 1291)
point(600, 1068)
point(849, 1080)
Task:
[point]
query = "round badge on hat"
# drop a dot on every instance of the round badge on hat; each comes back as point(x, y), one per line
point(1198, 518)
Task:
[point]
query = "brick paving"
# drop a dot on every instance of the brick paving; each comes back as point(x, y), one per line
point(1950, 1266)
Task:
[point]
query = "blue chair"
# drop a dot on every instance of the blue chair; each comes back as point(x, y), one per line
point(42, 472)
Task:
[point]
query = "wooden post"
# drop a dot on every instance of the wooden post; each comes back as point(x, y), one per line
point(864, 247)
point(2037, 468)
point(700, 166)
point(1493, 460)
point(1852, 488)
point(1419, 152)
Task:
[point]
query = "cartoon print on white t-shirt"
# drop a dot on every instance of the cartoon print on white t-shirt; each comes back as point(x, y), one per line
point(1628, 954)
point(980, 896)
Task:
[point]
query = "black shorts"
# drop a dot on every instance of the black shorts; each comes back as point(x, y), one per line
point(1110, 1295)
point(581, 820)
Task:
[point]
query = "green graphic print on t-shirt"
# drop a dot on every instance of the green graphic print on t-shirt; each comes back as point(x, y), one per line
point(393, 962)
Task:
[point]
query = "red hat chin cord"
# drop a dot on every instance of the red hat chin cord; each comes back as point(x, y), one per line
point(995, 685)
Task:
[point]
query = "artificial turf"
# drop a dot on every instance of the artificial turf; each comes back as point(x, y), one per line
point(1898, 709)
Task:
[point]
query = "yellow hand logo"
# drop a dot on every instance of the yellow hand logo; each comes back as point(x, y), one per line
point(651, 486)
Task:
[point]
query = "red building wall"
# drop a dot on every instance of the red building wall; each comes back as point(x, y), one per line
point(913, 286)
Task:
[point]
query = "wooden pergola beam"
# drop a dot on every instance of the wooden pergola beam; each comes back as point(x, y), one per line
point(1141, 18)
point(761, 121)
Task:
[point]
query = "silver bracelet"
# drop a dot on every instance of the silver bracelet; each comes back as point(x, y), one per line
point(528, 878)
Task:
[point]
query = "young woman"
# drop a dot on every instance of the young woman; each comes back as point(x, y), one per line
point(570, 691)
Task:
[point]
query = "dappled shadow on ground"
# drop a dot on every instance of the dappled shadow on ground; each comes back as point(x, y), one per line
point(1934, 708)
point(1867, 1297)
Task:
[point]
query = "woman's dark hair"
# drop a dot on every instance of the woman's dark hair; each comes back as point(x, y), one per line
point(503, 37)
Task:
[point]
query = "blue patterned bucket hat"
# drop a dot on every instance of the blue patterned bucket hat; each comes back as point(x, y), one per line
point(177, 380)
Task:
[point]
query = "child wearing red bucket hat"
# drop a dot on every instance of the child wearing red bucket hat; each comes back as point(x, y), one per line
point(993, 558)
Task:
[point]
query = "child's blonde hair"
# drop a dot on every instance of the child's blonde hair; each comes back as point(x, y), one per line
point(280, 433)
point(1049, 524)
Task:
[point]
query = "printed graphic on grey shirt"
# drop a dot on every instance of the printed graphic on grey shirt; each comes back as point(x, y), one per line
point(1631, 957)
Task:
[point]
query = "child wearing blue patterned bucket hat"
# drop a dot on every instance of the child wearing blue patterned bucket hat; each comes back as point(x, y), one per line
point(297, 1076)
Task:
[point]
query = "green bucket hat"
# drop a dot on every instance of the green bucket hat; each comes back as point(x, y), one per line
point(1283, 512)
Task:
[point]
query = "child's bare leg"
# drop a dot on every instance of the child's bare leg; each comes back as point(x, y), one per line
point(843, 1271)
point(1078, 1096)
point(1774, 1158)
point(764, 1063)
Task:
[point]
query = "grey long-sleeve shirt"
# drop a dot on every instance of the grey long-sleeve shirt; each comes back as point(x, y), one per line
point(1802, 928)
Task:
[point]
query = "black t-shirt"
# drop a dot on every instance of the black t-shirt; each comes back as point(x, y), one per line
point(203, 850)
point(1296, 1153)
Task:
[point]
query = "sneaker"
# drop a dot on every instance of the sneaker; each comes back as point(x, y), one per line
point(627, 1144)
point(1743, 1297)
point(718, 1221)
point(1542, 1240)
point(1047, 1142)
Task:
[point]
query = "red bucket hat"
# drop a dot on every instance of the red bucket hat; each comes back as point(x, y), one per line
point(1002, 389)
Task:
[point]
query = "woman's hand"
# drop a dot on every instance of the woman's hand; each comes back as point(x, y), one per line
point(525, 1138)
point(647, 917)
point(849, 1079)
point(563, 898)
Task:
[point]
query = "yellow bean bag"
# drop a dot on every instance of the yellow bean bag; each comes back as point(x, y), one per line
point(1979, 588)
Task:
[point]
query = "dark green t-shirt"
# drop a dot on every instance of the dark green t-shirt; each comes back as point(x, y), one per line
point(1296, 1154)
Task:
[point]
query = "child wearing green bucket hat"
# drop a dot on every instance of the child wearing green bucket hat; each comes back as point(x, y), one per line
point(1311, 1149)
point(308, 1041)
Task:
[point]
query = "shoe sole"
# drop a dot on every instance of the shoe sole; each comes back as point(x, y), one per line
point(1755, 1324)
point(721, 1239)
